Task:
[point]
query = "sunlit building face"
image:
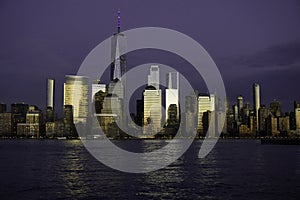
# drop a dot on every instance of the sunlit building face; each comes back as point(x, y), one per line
point(76, 90)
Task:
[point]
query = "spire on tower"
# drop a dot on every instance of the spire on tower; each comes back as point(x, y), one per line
point(119, 21)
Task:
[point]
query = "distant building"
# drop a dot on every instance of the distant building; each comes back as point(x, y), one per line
point(272, 126)
point(68, 120)
point(297, 119)
point(76, 90)
point(191, 114)
point(18, 111)
point(152, 97)
point(97, 87)
point(240, 105)
point(284, 125)
point(139, 112)
point(205, 103)
point(245, 131)
point(275, 108)
point(55, 129)
point(33, 125)
point(152, 111)
point(256, 102)
point(2, 107)
point(153, 77)
point(235, 112)
point(263, 114)
point(50, 100)
point(50, 93)
point(6, 125)
point(172, 92)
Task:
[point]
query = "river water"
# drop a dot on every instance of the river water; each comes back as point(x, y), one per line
point(63, 169)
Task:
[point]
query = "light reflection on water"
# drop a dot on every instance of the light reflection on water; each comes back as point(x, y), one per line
point(243, 169)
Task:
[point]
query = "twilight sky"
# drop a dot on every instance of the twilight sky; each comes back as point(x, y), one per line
point(250, 41)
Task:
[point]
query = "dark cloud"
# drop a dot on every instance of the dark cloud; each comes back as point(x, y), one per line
point(276, 57)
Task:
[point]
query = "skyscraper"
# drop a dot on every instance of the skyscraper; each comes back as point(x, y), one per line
point(256, 102)
point(50, 93)
point(263, 114)
point(205, 103)
point(297, 117)
point(172, 92)
point(152, 110)
point(76, 90)
point(191, 111)
point(153, 77)
point(118, 46)
point(97, 87)
point(116, 87)
point(275, 108)
point(152, 103)
point(2, 107)
point(50, 100)
point(240, 104)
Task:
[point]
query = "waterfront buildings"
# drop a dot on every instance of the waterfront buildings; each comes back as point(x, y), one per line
point(76, 93)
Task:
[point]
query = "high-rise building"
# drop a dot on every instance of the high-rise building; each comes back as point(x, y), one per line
point(6, 124)
point(139, 112)
point(263, 114)
point(235, 112)
point(296, 105)
point(191, 114)
point(153, 77)
point(275, 108)
point(2, 107)
point(205, 103)
point(152, 103)
point(68, 120)
point(297, 118)
point(272, 126)
point(50, 100)
point(50, 93)
point(240, 104)
point(97, 87)
point(18, 111)
point(33, 125)
point(76, 90)
point(152, 110)
point(172, 92)
point(256, 102)
point(284, 125)
point(116, 87)
point(118, 47)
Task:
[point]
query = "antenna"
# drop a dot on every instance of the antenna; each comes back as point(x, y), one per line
point(119, 21)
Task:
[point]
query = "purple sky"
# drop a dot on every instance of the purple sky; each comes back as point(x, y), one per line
point(250, 41)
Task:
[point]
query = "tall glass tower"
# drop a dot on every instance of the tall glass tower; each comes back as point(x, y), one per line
point(116, 88)
point(256, 102)
point(118, 47)
point(153, 77)
point(152, 104)
point(76, 90)
point(50, 93)
point(172, 92)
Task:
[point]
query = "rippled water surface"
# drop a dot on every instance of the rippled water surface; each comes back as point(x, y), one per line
point(63, 169)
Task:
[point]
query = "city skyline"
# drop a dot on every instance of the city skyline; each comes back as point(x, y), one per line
point(248, 49)
point(149, 99)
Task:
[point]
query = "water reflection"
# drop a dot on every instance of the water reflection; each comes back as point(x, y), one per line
point(34, 169)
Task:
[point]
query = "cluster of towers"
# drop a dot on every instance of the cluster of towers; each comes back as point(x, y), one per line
point(89, 105)
point(261, 121)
